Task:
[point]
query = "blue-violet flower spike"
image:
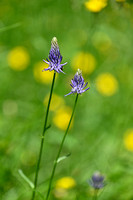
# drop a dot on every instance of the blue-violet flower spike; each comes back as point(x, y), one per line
point(78, 84)
point(55, 58)
point(97, 181)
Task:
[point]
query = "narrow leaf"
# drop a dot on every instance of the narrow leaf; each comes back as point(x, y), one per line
point(48, 127)
point(26, 178)
point(42, 197)
point(63, 157)
point(10, 27)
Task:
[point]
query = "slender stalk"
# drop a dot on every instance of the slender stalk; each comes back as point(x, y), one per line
point(95, 195)
point(60, 149)
point(42, 139)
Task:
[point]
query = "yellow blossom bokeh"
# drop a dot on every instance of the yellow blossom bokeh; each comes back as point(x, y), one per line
point(85, 61)
point(128, 140)
point(106, 84)
point(44, 77)
point(56, 102)
point(95, 5)
point(62, 117)
point(65, 183)
point(18, 58)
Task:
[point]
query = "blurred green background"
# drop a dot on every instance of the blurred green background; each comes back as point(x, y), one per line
point(99, 40)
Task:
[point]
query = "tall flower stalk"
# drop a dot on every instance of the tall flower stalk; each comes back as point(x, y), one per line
point(77, 87)
point(54, 63)
point(60, 149)
point(95, 195)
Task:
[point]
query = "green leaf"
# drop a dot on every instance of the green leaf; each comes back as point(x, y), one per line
point(26, 178)
point(63, 157)
point(6, 28)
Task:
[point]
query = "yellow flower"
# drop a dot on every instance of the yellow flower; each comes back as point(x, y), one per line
point(65, 183)
point(85, 61)
point(62, 117)
point(106, 84)
point(128, 139)
point(44, 77)
point(56, 102)
point(95, 5)
point(18, 58)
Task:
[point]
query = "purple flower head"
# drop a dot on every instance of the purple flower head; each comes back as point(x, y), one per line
point(55, 58)
point(97, 181)
point(78, 84)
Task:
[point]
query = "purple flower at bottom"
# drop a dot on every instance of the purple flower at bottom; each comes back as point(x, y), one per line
point(78, 84)
point(55, 58)
point(97, 181)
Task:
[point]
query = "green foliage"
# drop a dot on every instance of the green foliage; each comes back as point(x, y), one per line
point(96, 139)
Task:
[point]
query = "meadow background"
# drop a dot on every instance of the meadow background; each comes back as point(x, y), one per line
point(95, 38)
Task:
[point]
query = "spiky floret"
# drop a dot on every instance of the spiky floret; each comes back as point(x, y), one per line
point(97, 181)
point(78, 84)
point(55, 58)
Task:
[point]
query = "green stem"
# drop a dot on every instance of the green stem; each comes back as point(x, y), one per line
point(60, 149)
point(42, 139)
point(95, 195)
